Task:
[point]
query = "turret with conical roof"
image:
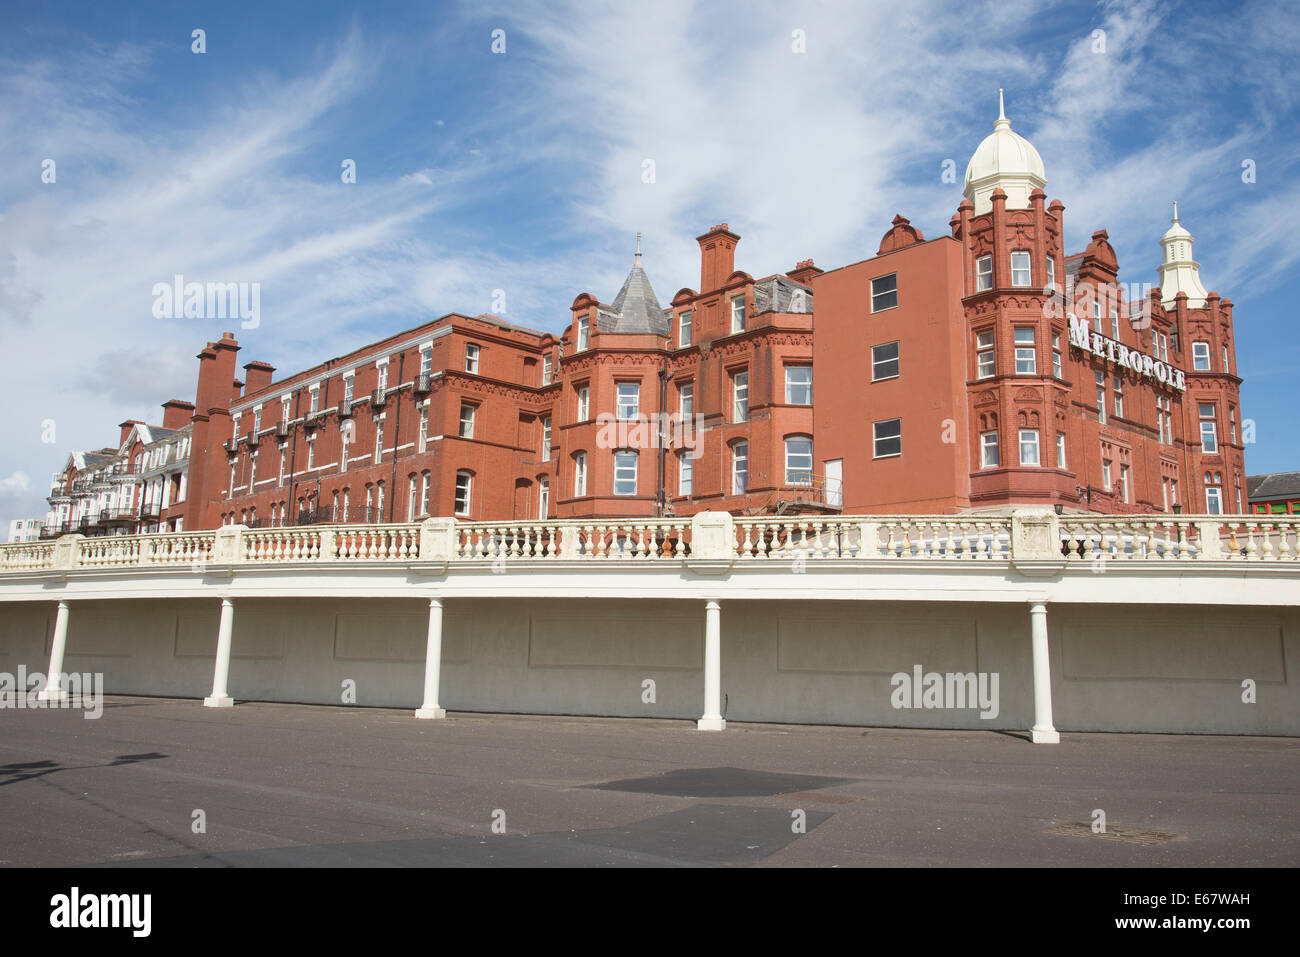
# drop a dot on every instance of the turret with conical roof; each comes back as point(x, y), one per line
point(636, 309)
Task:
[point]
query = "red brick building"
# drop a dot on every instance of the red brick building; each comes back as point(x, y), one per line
point(979, 369)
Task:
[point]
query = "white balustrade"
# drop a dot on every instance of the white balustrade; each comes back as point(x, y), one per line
point(1150, 538)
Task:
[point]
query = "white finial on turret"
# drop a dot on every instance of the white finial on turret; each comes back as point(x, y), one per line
point(1175, 210)
point(638, 250)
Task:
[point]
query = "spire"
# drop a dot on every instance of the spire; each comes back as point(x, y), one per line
point(635, 309)
point(1179, 272)
point(1002, 122)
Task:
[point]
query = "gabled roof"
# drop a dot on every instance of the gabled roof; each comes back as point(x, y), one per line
point(1273, 485)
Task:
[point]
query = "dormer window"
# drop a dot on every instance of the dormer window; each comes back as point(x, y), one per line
point(738, 314)
point(584, 330)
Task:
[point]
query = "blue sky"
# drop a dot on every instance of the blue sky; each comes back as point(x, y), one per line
point(522, 171)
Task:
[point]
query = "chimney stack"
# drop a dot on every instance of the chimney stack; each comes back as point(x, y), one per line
point(176, 413)
point(257, 376)
point(717, 257)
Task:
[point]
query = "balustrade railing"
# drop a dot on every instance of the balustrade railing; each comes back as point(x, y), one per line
point(926, 538)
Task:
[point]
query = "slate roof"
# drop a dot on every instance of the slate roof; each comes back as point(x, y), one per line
point(775, 294)
point(636, 309)
point(1272, 485)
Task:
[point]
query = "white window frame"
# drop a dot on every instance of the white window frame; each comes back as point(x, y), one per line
point(879, 297)
point(983, 273)
point(379, 441)
point(985, 348)
point(584, 402)
point(546, 369)
point(472, 355)
point(740, 396)
point(685, 474)
point(684, 320)
point(1200, 357)
point(794, 389)
point(739, 468)
point(686, 400)
point(880, 366)
point(628, 400)
point(460, 505)
point(621, 468)
point(738, 313)
point(1029, 442)
point(467, 422)
point(877, 438)
point(546, 438)
point(1026, 350)
point(579, 474)
point(1060, 451)
point(584, 333)
point(1209, 428)
point(796, 474)
point(1021, 268)
point(989, 457)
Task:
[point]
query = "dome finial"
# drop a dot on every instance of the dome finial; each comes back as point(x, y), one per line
point(1175, 210)
point(1003, 123)
point(638, 250)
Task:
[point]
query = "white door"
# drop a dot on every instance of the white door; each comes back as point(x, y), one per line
point(835, 482)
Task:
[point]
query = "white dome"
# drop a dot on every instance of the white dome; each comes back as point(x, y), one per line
point(1007, 160)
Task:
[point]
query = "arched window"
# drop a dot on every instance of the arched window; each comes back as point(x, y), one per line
point(799, 460)
point(464, 489)
point(579, 474)
point(625, 472)
point(739, 468)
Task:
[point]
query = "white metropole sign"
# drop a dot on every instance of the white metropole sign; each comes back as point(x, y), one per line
point(1144, 365)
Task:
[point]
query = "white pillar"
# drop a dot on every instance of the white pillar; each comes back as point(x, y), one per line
point(712, 719)
point(221, 673)
point(1042, 732)
point(52, 690)
point(432, 664)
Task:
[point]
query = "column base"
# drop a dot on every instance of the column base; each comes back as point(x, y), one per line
point(218, 701)
point(52, 694)
point(431, 712)
point(711, 724)
point(1050, 736)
